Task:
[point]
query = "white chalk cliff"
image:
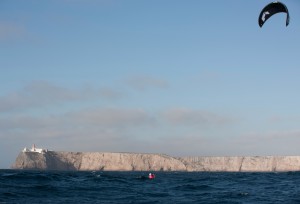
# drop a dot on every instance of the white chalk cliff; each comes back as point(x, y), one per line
point(89, 161)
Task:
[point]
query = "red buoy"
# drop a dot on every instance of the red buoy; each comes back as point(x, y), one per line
point(151, 176)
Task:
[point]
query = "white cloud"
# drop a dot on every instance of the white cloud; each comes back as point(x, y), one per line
point(41, 94)
point(102, 129)
point(255, 143)
point(142, 83)
point(83, 121)
point(190, 117)
point(111, 129)
point(111, 117)
point(283, 135)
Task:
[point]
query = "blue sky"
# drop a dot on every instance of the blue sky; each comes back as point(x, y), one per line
point(183, 78)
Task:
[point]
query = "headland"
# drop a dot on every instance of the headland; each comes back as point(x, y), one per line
point(107, 161)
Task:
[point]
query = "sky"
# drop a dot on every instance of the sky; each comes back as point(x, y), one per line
point(183, 78)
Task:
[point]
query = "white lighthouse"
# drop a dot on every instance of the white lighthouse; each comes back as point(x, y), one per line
point(34, 149)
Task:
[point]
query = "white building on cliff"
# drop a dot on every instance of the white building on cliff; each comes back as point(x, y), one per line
point(34, 149)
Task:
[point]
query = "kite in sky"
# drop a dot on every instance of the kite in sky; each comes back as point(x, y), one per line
point(271, 9)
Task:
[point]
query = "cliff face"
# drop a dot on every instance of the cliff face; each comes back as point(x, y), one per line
point(97, 161)
point(243, 164)
point(89, 161)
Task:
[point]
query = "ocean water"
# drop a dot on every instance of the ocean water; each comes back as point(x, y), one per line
point(18, 186)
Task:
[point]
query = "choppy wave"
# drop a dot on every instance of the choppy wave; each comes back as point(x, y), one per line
point(18, 186)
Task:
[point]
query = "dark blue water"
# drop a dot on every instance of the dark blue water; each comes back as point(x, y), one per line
point(131, 187)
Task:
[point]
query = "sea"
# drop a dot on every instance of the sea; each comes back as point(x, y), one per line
point(20, 186)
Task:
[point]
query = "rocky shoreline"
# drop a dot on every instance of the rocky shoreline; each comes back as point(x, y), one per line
point(104, 161)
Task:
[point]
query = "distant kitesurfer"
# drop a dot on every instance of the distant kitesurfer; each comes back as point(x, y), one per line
point(151, 176)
